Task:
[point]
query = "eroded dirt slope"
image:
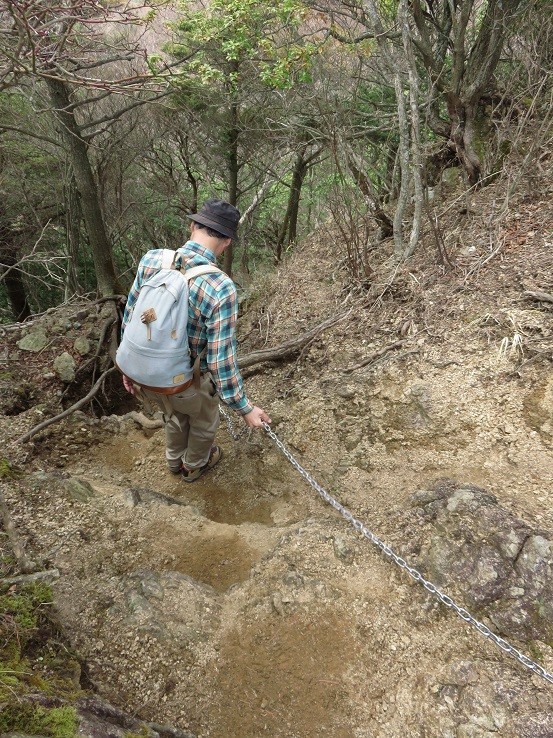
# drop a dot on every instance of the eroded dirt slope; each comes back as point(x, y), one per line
point(243, 606)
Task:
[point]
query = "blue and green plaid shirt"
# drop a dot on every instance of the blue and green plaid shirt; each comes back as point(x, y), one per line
point(212, 316)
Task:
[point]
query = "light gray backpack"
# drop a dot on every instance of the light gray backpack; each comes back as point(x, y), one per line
point(154, 351)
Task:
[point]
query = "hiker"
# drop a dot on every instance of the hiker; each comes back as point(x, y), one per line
point(191, 416)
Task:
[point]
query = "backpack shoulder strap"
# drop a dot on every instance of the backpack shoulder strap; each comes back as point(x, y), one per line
point(197, 271)
point(167, 259)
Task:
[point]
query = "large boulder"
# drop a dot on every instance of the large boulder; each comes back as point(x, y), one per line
point(498, 565)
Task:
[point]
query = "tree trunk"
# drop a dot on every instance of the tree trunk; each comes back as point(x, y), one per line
point(15, 288)
point(288, 228)
point(404, 166)
point(233, 171)
point(295, 196)
point(84, 178)
point(363, 182)
point(416, 152)
point(73, 237)
point(13, 281)
point(461, 137)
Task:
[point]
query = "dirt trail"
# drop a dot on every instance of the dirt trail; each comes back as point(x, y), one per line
point(242, 606)
point(250, 608)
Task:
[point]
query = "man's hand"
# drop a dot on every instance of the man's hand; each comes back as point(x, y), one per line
point(256, 417)
point(128, 385)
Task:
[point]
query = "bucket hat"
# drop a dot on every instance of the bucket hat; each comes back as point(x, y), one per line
point(219, 215)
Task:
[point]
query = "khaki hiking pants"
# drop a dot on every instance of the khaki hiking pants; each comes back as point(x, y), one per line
point(191, 426)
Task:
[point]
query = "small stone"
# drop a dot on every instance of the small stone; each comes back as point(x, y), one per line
point(64, 366)
point(342, 551)
point(277, 603)
point(79, 489)
point(82, 345)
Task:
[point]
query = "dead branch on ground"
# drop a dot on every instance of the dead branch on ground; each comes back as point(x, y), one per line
point(373, 357)
point(539, 296)
point(291, 347)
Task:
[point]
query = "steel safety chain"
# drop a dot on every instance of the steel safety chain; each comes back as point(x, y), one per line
point(230, 425)
point(416, 575)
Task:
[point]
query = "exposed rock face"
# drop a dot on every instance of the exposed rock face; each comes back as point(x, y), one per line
point(170, 606)
point(497, 563)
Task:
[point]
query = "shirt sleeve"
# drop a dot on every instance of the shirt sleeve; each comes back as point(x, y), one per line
point(222, 360)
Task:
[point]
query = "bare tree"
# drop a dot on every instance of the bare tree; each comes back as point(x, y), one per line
point(460, 44)
point(78, 51)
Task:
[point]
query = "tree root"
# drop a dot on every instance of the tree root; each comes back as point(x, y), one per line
point(142, 420)
point(277, 353)
point(47, 575)
point(93, 392)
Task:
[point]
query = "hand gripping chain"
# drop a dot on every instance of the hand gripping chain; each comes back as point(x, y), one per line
point(416, 575)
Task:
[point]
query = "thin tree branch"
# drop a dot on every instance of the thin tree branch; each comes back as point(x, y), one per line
point(373, 357)
point(289, 348)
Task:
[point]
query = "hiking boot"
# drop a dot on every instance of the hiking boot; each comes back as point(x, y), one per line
point(190, 475)
point(175, 469)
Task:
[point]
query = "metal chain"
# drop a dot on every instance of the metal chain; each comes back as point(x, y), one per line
point(230, 425)
point(416, 575)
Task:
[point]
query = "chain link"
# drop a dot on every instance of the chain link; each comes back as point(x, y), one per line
point(230, 425)
point(416, 575)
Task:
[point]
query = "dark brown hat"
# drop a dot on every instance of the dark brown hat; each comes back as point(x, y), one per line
point(219, 215)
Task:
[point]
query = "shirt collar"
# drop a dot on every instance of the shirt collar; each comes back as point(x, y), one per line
point(192, 248)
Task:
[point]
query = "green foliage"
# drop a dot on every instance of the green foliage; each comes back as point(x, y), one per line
point(7, 471)
point(58, 722)
point(31, 187)
point(23, 606)
point(32, 660)
point(231, 35)
point(20, 613)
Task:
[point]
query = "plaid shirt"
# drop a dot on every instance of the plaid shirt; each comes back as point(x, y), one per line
point(212, 316)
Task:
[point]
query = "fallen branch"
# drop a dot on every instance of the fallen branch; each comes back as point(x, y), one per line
point(373, 357)
point(539, 296)
point(291, 347)
point(47, 575)
point(93, 392)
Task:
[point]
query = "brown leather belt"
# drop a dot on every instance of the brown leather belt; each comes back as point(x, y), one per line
point(169, 390)
point(196, 377)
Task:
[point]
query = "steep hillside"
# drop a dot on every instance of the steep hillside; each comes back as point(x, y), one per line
point(243, 605)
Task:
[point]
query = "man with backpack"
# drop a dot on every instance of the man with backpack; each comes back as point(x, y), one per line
point(178, 343)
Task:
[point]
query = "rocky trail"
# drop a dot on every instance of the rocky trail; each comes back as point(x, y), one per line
point(242, 605)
